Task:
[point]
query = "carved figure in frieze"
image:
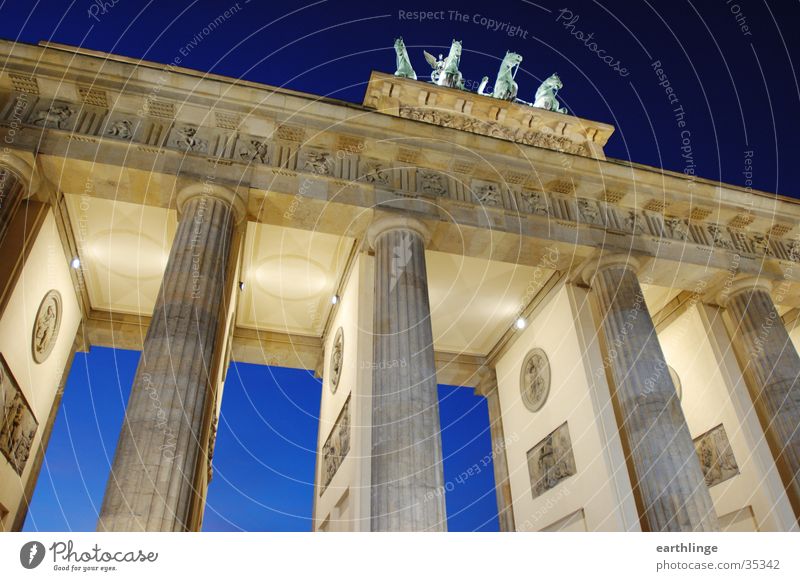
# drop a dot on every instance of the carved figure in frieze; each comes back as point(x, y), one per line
point(54, 116)
point(536, 202)
point(546, 94)
point(255, 150)
point(488, 194)
point(121, 129)
point(378, 174)
point(633, 222)
point(588, 212)
point(676, 228)
point(187, 139)
point(319, 162)
point(760, 244)
point(431, 183)
point(719, 238)
point(404, 68)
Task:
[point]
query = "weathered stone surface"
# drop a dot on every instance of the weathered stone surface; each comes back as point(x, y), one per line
point(773, 365)
point(666, 467)
point(151, 482)
point(407, 472)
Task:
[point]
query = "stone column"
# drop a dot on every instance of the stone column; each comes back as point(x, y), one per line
point(666, 469)
point(151, 482)
point(772, 366)
point(17, 182)
point(505, 510)
point(407, 476)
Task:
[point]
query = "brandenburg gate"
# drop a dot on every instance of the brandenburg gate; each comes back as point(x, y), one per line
point(633, 330)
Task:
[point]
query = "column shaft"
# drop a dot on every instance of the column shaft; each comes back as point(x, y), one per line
point(773, 366)
point(407, 476)
point(151, 482)
point(667, 470)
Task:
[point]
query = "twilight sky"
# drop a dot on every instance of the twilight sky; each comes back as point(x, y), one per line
point(707, 88)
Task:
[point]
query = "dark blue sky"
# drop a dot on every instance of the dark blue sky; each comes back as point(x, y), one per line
point(737, 88)
point(265, 452)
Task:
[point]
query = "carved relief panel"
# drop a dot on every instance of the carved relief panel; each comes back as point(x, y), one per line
point(551, 461)
point(336, 446)
point(316, 161)
point(534, 379)
point(716, 456)
point(18, 425)
point(46, 326)
point(337, 357)
point(487, 193)
point(54, 115)
point(255, 150)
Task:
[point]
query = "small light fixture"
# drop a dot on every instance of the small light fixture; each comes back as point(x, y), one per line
point(241, 286)
point(520, 323)
point(75, 263)
point(334, 299)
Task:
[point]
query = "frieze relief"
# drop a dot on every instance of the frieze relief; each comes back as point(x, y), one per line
point(376, 172)
point(18, 425)
point(487, 193)
point(472, 125)
point(316, 161)
point(431, 182)
point(246, 148)
point(336, 447)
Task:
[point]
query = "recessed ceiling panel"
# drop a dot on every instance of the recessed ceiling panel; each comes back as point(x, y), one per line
point(290, 276)
point(123, 249)
point(474, 301)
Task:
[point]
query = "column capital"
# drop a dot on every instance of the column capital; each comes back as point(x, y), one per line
point(22, 169)
point(389, 222)
point(602, 262)
point(233, 198)
point(743, 284)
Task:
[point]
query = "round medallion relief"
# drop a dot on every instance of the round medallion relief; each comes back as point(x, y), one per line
point(45, 327)
point(534, 379)
point(676, 381)
point(336, 359)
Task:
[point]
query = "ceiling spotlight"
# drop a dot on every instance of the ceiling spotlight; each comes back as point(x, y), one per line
point(241, 286)
point(75, 263)
point(521, 323)
point(334, 299)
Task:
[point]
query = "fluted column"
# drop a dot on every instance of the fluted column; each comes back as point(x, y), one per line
point(505, 509)
point(407, 477)
point(17, 182)
point(772, 365)
point(151, 482)
point(665, 464)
